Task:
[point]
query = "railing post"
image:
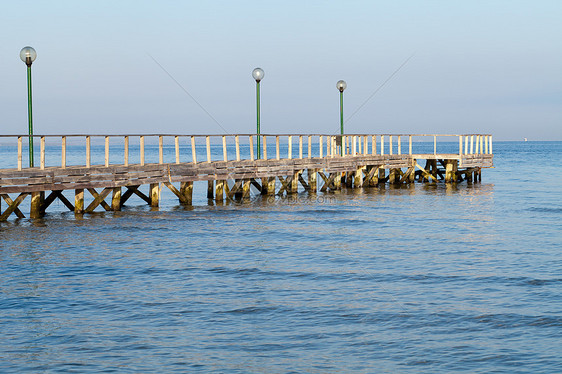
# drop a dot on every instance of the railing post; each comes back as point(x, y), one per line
point(177, 145)
point(63, 152)
point(410, 144)
point(88, 153)
point(290, 150)
point(382, 145)
point(390, 144)
point(208, 146)
point(300, 146)
point(126, 151)
point(399, 145)
point(106, 151)
point(19, 152)
point(471, 144)
point(264, 138)
point(277, 147)
point(374, 144)
point(320, 140)
point(224, 152)
point(434, 144)
point(486, 143)
point(491, 152)
point(251, 138)
point(354, 145)
point(481, 140)
point(237, 144)
point(160, 150)
point(460, 145)
point(193, 150)
point(141, 141)
point(466, 144)
point(42, 153)
point(309, 146)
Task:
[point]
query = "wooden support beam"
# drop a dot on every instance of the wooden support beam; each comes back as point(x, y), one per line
point(52, 197)
point(407, 176)
point(210, 189)
point(79, 201)
point(337, 180)
point(450, 171)
point(256, 185)
point(154, 194)
point(312, 180)
point(36, 203)
point(186, 191)
point(358, 180)
point(219, 190)
point(184, 200)
point(328, 181)
point(246, 189)
point(13, 206)
point(116, 199)
point(382, 172)
point(133, 190)
point(425, 173)
point(303, 183)
point(295, 182)
point(285, 185)
point(98, 199)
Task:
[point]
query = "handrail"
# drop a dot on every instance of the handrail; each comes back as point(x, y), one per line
point(241, 146)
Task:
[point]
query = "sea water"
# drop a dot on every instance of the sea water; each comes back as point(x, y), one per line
point(425, 278)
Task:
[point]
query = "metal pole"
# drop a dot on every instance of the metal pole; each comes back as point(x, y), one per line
point(258, 117)
point(30, 116)
point(341, 120)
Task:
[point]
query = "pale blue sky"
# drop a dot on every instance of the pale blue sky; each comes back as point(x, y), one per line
point(478, 66)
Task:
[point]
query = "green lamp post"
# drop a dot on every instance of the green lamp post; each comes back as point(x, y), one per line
point(258, 74)
point(28, 55)
point(341, 86)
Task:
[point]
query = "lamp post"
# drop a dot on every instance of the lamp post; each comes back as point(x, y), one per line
point(257, 74)
point(28, 55)
point(341, 86)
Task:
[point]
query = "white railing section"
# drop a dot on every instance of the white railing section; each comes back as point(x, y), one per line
point(159, 148)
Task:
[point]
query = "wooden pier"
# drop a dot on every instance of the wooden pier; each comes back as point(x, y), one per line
point(309, 162)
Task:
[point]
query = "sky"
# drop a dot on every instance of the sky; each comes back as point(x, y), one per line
point(184, 67)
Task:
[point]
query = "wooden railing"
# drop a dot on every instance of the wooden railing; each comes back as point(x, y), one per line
point(242, 146)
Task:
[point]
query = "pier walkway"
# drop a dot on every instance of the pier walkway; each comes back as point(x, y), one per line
point(115, 167)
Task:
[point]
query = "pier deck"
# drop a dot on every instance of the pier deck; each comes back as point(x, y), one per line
point(230, 168)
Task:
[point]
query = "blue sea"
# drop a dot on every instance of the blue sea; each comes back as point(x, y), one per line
point(419, 279)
